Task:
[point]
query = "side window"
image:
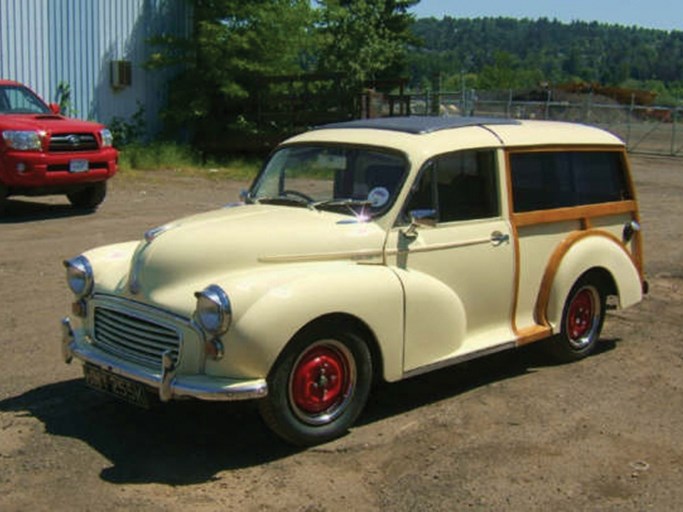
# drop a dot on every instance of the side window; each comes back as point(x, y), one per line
point(459, 186)
point(546, 180)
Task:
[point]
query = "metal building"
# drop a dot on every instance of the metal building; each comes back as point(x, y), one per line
point(97, 48)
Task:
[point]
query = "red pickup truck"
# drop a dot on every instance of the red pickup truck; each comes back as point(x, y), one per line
point(45, 153)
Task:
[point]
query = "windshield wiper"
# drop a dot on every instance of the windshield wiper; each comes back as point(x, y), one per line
point(282, 200)
point(347, 203)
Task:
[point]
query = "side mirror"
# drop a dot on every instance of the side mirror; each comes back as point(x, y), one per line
point(55, 108)
point(420, 218)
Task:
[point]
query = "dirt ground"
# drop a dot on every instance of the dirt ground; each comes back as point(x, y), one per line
point(508, 432)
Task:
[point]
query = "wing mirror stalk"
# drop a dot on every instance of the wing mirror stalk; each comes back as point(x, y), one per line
point(418, 219)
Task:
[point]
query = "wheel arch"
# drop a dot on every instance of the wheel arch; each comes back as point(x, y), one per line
point(346, 321)
point(595, 253)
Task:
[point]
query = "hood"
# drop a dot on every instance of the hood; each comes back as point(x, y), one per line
point(207, 247)
point(50, 123)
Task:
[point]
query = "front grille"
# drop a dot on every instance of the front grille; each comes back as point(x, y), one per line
point(133, 338)
point(62, 142)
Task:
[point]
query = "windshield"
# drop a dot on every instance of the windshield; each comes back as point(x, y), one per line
point(346, 179)
point(20, 100)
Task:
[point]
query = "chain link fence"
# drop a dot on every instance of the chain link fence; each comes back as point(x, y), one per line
point(645, 129)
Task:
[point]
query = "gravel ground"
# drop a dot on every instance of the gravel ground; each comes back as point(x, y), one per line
point(508, 432)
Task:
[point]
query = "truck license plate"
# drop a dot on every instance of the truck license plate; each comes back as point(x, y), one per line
point(120, 387)
point(79, 165)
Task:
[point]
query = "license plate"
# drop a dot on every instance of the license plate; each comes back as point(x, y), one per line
point(78, 165)
point(127, 390)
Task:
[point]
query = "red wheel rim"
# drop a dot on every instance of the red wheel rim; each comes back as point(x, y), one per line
point(321, 380)
point(581, 314)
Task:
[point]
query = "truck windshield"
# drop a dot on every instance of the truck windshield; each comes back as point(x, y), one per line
point(20, 100)
point(342, 178)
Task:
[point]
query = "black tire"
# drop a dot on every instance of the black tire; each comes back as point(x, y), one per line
point(90, 197)
point(582, 319)
point(318, 386)
point(3, 198)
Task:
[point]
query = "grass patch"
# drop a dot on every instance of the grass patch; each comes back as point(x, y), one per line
point(182, 159)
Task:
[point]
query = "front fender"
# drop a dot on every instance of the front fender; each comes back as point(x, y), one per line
point(267, 315)
point(580, 253)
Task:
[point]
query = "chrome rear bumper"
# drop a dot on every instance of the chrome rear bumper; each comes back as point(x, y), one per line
point(166, 381)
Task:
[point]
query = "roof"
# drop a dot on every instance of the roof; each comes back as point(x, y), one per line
point(422, 137)
point(420, 124)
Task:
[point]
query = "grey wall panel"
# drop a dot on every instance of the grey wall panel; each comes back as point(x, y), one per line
point(45, 42)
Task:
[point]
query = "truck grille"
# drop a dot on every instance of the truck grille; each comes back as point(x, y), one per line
point(61, 142)
point(134, 338)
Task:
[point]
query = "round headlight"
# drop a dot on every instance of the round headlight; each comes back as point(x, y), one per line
point(79, 276)
point(213, 311)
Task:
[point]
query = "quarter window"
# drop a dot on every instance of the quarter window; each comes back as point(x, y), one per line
point(546, 180)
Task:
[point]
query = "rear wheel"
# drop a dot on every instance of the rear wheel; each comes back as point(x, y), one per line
point(89, 197)
point(318, 387)
point(582, 319)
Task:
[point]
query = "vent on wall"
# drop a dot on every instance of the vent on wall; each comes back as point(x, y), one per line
point(121, 74)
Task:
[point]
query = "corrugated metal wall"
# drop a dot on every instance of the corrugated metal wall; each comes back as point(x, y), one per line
point(45, 42)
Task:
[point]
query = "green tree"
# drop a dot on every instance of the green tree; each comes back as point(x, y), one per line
point(233, 46)
point(364, 39)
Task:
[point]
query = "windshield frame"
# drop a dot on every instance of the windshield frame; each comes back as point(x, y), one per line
point(35, 99)
point(369, 213)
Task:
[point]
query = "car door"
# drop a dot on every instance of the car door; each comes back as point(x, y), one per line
point(453, 253)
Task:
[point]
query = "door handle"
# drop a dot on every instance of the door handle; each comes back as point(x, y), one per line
point(498, 238)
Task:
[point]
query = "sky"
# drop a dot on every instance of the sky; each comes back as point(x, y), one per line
point(660, 14)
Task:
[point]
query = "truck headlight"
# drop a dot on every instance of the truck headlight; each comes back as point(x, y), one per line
point(21, 140)
point(213, 311)
point(107, 138)
point(79, 276)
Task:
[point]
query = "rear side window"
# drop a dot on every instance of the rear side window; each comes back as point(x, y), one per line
point(557, 179)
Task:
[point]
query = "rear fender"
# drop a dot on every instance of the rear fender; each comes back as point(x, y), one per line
point(578, 254)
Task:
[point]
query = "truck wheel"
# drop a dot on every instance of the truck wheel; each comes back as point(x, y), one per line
point(3, 198)
point(318, 387)
point(89, 197)
point(582, 319)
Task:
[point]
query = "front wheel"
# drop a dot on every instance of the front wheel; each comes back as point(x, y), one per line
point(318, 387)
point(90, 197)
point(582, 319)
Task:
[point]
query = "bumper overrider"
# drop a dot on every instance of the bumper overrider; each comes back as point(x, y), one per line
point(169, 384)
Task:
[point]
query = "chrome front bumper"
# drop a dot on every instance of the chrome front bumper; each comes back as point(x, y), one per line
point(167, 382)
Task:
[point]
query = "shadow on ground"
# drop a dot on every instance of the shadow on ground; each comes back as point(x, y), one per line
point(15, 211)
point(184, 443)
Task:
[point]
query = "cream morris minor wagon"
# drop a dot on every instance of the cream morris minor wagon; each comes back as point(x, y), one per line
point(374, 249)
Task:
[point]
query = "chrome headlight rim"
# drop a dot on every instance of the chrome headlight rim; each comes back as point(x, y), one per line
point(23, 140)
point(213, 311)
point(79, 276)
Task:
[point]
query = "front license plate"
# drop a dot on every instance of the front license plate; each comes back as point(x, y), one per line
point(79, 165)
point(128, 390)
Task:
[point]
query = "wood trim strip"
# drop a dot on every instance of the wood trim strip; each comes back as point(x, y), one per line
point(532, 334)
point(573, 213)
point(551, 269)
